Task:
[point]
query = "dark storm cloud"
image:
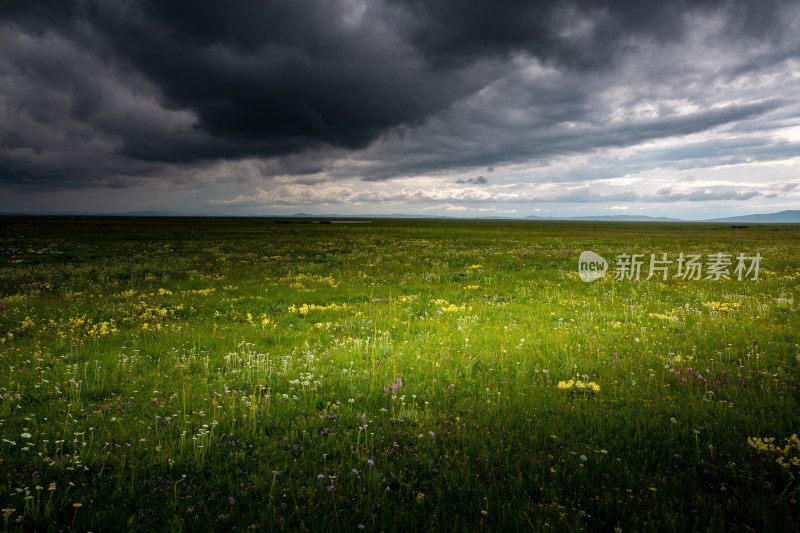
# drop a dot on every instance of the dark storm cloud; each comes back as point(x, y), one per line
point(274, 77)
point(94, 92)
point(450, 32)
point(579, 34)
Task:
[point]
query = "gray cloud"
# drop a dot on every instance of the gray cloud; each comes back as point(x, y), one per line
point(99, 94)
point(480, 180)
point(699, 195)
point(587, 195)
point(312, 194)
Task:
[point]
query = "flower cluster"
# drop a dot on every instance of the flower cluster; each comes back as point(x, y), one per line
point(579, 386)
point(721, 307)
point(307, 308)
point(784, 454)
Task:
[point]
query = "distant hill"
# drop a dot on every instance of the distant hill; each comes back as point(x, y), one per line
point(782, 217)
point(788, 216)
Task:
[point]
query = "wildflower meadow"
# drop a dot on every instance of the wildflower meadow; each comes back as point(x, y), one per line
point(403, 375)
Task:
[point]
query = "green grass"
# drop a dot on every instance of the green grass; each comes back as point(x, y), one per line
point(211, 374)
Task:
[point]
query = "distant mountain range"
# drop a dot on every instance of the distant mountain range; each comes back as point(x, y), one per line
point(782, 217)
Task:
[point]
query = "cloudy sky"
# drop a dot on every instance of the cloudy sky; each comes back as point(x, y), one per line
point(672, 108)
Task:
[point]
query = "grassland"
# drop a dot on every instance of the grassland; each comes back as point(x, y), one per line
point(233, 374)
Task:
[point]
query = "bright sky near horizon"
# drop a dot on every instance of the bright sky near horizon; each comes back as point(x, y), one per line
point(678, 108)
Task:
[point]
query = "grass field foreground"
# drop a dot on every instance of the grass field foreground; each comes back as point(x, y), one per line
point(212, 374)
